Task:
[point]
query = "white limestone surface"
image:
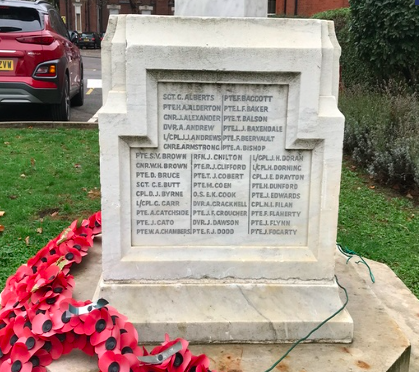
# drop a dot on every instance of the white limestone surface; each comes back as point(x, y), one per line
point(232, 312)
point(221, 8)
point(221, 147)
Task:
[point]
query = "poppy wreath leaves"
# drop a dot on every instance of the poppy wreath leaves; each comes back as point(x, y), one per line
point(40, 321)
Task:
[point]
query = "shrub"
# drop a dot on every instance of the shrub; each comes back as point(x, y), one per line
point(339, 16)
point(382, 132)
point(386, 36)
point(354, 71)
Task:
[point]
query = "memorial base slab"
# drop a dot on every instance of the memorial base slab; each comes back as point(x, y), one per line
point(231, 312)
point(379, 344)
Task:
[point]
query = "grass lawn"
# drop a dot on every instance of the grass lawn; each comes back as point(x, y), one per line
point(48, 179)
point(379, 224)
point(51, 177)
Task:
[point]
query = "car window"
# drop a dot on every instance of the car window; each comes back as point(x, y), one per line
point(57, 23)
point(19, 19)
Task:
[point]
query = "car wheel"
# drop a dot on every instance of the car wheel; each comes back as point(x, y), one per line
point(61, 111)
point(78, 99)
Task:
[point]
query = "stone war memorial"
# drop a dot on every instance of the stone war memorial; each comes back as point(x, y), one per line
point(221, 150)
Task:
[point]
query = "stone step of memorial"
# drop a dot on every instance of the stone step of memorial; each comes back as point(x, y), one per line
point(379, 344)
point(233, 312)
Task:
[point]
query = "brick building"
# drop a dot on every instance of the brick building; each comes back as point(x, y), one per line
point(92, 15)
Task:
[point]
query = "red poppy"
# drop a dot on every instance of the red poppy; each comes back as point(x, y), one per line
point(45, 298)
point(88, 348)
point(20, 353)
point(55, 347)
point(129, 340)
point(73, 341)
point(79, 243)
point(21, 291)
point(113, 362)
point(7, 337)
point(98, 325)
point(76, 228)
point(10, 365)
point(31, 342)
point(64, 285)
point(117, 317)
point(21, 272)
point(43, 325)
point(22, 325)
point(20, 310)
point(44, 277)
point(45, 257)
point(112, 343)
point(40, 361)
point(61, 320)
point(132, 359)
point(178, 360)
point(95, 223)
point(19, 357)
point(199, 363)
point(11, 310)
point(149, 368)
point(59, 290)
point(76, 321)
point(12, 282)
point(70, 254)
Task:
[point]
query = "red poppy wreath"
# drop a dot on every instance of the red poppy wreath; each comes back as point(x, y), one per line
point(40, 321)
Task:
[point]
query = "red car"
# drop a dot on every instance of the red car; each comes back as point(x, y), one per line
point(39, 64)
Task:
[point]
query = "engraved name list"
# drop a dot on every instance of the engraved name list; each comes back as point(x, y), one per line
point(221, 169)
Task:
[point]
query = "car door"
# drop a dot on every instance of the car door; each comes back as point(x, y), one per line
point(72, 51)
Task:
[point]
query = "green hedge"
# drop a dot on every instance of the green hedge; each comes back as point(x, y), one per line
point(382, 120)
point(354, 71)
point(386, 36)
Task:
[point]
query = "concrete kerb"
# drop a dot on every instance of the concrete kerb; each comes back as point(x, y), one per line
point(94, 53)
point(49, 125)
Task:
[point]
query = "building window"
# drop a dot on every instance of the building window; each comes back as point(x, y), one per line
point(114, 9)
point(146, 9)
point(271, 6)
point(77, 17)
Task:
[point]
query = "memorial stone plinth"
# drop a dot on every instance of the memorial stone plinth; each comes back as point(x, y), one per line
point(221, 149)
point(221, 8)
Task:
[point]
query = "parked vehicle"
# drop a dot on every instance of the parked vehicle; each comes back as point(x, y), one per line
point(74, 37)
point(39, 64)
point(89, 40)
